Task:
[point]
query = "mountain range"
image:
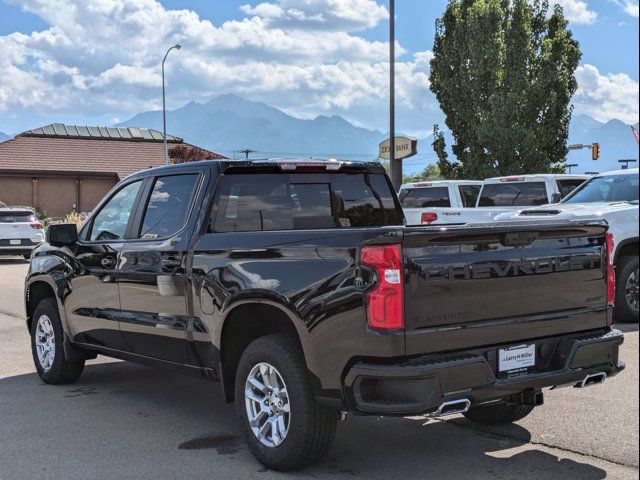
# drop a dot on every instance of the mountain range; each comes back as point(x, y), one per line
point(4, 136)
point(228, 123)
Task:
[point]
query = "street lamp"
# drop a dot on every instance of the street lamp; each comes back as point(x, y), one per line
point(570, 166)
point(177, 46)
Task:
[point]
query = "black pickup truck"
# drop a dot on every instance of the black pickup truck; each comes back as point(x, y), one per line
point(298, 287)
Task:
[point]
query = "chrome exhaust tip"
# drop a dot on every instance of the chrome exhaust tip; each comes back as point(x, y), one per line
point(592, 379)
point(452, 407)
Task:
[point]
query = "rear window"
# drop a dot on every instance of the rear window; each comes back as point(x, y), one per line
point(469, 194)
point(249, 202)
point(611, 188)
point(513, 194)
point(17, 216)
point(425, 197)
point(567, 186)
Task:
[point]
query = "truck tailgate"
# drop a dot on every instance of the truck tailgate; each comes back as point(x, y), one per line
point(484, 285)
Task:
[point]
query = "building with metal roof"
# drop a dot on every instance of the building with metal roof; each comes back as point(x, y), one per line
point(60, 168)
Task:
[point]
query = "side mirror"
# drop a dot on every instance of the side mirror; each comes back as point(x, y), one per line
point(62, 234)
point(556, 197)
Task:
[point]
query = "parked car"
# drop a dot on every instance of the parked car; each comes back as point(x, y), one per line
point(20, 231)
point(439, 202)
point(499, 195)
point(298, 287)
point(612, 196)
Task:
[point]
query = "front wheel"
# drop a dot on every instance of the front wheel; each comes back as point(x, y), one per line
point(47, 338)
point(282, 424)
point(627, 290)
point(500, 414)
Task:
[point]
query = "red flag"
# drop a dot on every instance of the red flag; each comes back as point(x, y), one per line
point(635, 133)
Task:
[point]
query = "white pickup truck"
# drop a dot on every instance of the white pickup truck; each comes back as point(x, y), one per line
point(614, 197)
point(449, 202)
point(439, 202)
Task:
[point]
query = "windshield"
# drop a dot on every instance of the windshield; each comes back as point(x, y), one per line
point(610, 188)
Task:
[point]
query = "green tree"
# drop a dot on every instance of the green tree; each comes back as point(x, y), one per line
point(504, 74)
point(430, 172)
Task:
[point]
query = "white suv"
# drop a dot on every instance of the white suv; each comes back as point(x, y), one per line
point(20, 231)
point(614, 197)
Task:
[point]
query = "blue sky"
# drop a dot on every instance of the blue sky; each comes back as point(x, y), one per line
point(97, 61)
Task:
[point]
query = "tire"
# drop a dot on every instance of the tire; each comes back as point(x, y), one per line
point(627, 290)
point(501, 414)
point(310, 427)
point(59, 370)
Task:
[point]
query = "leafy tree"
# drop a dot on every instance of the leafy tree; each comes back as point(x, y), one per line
point(504, 74)
point(187, 153)
point(430, 172)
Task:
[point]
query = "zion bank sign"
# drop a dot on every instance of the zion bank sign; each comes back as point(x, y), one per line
point(405, 147)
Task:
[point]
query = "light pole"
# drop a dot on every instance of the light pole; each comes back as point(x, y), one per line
point(177, 46)
point(394, 165)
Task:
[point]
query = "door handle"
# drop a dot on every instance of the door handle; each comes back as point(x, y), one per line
point(169, 264)
point(108, 262)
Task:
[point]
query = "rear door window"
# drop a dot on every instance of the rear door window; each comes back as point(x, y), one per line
point(469, 195)
point(425, 197)
point(168, 206)
point(567, 186)
point(513, 194)
point(267, 202)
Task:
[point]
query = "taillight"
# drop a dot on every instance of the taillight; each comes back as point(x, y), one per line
point(428, 217)
point(385, 299)
point(611, 270)
point(37, 225)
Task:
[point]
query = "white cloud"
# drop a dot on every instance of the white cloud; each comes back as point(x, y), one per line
point(103, 58)
point(630, 7)
point(349, 15)
point(604, 97)
point(577, 11)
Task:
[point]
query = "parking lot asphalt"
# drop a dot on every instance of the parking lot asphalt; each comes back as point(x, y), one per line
point(126, 421)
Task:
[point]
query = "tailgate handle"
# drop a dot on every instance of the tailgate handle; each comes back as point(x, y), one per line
point(518, 239)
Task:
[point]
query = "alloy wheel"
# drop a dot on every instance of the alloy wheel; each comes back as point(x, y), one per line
point(45, 342)
point(267, 404)
point(631, 290)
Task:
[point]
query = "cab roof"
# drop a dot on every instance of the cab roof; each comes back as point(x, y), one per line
point(439, 183)
point(537, 177)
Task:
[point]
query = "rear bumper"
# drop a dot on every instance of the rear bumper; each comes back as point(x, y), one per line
point(26, 245)
point(422, 384)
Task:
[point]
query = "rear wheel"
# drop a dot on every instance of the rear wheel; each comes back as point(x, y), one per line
point(47, 346)
point(500, 414)
point(627, 301)
point(282, 424)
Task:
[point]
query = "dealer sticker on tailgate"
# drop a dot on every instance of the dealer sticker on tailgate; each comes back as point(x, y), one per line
point(517, 357)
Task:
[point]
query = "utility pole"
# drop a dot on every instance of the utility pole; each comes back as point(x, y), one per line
point(246, 152)
point(177, 46)
point(395, 165)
